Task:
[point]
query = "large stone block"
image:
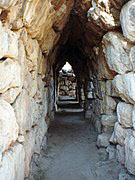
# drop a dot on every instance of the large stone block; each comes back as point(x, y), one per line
point(8, 43)
point(8, 125)
point(109, 105)
point(101, 15)
point(108, 120)
point(25, 111)
point(103, 69)
point(120, 154)
point(127, 20)
point(116, 50)
point(103, 140)
point(124, 86)
point(11, 94)
point(10, 75)
point(119, 134)
point(12, 165)
point(130, 154)
point(29, 148)
point(7, 3)
point(109, 90)
point(124, 113)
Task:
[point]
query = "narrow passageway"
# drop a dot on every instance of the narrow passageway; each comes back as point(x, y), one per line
point(71, 153)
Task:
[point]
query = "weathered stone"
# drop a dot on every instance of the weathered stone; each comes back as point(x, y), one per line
point(102, 16)
point(23, 110)
point(120, 134)
point(7, 3)
point(103, 140)
point(108, 120)
point(116, 50)
point(110, 91)
point(124, 86)
point(120, 154)
point(11, 94)
point(111, 150)
point(10, 75)
point(32, 49)
point(127, 20)
point(8, 125)
point(109, 105)
point(130, 154)
point(103, 70)
point(12, 165)
point(29, 148)
point(133, 117)
point(9, 43)
point(124, 113)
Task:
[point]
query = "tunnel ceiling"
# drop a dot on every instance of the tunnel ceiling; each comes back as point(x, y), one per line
point(84, 31)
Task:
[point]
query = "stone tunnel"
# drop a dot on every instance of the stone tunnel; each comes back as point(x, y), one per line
point(97, 38)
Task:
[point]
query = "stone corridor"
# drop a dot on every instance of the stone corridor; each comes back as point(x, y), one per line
point(72, 153)
point(37, 38)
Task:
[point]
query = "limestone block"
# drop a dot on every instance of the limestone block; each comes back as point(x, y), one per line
point(111, 150)
point(132, 57)
point(22, 60)
point(7, 3)
point(124, 113)
point(103, 140)
point(109, 105)
point(41, 132)
point(29, 147)
point(10, 75)
point(11, 94)
point(130, 154)
point(120, 134)
point(8, 42)
point(108, 120)
point(23, 112)
point(103, 70)
point(12, 165)
point(127, 20)
point(120, 154)
point(100, 13)
point(8, 125)
point(110, 91)
point(32, 49)
point(124, 86)
point(116, 50)
point(133, 117)
point(39, 25)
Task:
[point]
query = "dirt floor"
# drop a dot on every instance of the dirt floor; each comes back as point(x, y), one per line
point(72, 154)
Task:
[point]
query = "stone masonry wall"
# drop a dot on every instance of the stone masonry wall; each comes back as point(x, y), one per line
point(26, 97)
point(67, 84)
point(30, 34)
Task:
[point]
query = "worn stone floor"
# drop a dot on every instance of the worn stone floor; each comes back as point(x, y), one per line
point(72, 154)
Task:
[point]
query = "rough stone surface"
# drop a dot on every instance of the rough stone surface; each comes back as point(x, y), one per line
point(120, 153)
point(127, 20)
point(10, 75)
point(124, 86)
point(12, 165)
point(8, 125)
point(108, 120)
point(116, 50)
point(124, 113)
point(119, 134)
point(103, 140)
point(130, 155)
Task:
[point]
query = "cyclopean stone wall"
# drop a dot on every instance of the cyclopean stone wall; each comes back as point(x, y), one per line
point(101, 35)
point(67, 84)
point(26, 82)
